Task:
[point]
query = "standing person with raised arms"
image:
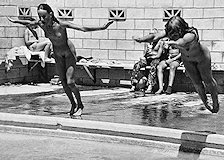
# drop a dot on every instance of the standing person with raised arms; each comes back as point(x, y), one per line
point(64, 50)
point(195, 56)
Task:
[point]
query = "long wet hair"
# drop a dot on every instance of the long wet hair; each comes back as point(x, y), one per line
point(49, 10)
point(176, 26)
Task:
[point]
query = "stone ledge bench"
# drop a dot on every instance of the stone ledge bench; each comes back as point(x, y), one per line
point(118, 75)
point(96, 74)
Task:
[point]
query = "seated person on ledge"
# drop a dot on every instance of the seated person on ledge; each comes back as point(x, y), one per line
point(152, 59)
point(173, 60)
point(33, 42)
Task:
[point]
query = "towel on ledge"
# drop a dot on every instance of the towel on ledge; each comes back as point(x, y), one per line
point(21, 52)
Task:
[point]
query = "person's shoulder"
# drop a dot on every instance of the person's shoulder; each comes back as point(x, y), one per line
point(189, 37)
point(193, 30)
point(63, 23)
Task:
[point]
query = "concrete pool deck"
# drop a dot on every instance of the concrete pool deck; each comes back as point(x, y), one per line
point(170, 140)
point(203, 142)
point(27, 89)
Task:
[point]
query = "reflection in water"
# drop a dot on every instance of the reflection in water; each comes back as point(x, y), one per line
point(178, 111)
point(156, 116)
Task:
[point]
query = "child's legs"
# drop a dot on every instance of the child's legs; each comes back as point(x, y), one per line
point(70, 76)
point(136, 72)
point(173, 67)
point(61, 70)
point(41, 45)
point(142, 83)
point(47, 50)
point(152, 72)
point(160, 68)
point(44, 46)
point(196, 79)
point(206, 74)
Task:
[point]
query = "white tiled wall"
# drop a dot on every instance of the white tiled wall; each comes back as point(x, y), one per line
point(116, 43)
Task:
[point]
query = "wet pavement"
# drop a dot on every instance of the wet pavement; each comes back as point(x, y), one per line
point(178, 110)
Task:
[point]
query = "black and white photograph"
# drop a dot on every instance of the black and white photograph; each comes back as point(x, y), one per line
point(111, 79)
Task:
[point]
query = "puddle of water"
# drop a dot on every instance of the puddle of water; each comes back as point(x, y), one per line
point(179, 110)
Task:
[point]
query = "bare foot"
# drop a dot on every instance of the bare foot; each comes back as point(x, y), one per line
point(209, 107)
point(160, 91)
point(73, 110)
point(132, 89)
point(169, 90)
point(149, 90)
point(80, 106)
point(215, 108)
point(78, 112)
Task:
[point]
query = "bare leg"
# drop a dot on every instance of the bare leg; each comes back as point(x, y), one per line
point(196, 79)
point(70, 76)
point(70, 73)
point(72, 86)
point(135, 73)
point(152, 76)
point(60, 66)
point(47, 50)
point(206, 74)
point(173, 67)
point(70, 96)
point(212, 88)
point(44, 46)
point(160, 69)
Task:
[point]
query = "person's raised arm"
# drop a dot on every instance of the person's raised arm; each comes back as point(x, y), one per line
point(85, 29)
point(181, 42)
point(176, 57)
point(152, 37)
point(160, 47)
point(23, 22)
